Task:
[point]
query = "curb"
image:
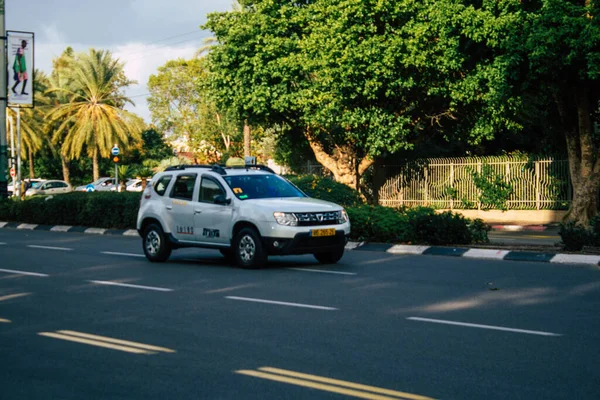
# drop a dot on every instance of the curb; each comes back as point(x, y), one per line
point(488, 254)
point(67, 228)
point(398, 249)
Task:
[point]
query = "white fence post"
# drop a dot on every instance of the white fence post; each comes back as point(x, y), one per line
point(537, 185)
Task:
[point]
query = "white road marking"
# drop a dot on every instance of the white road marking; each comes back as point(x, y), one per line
point(27, 226)
point(323, 271)
point(11, 271)
point(34, 246)
point(114, 253)
point(158, 289)
point(497, 328)
point(281, 303)
point(60, 228)
point(2, 243)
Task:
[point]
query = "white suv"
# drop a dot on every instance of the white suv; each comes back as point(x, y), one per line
point(248, 213)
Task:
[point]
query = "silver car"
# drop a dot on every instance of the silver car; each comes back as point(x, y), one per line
point(49, 187)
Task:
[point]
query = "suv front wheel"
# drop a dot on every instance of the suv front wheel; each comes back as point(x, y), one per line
point(248, 249)
point(330, 257)
point(156, 246)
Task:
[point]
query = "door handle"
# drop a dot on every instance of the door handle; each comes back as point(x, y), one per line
point(169, 207)
point(196, 211)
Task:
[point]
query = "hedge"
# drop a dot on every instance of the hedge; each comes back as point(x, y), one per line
point(369, 223)
point(97, 209)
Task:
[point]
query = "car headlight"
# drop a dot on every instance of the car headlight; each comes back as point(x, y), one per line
point(287, 219)
point(343, 217)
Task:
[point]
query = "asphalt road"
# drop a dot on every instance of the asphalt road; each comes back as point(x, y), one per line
point(86, 317)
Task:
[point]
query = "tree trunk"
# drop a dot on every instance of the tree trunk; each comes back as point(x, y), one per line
point(584, 162)
point(344, 164)
point(247, 140)
point(65, 169)
point(31, 167)
point(96, 168)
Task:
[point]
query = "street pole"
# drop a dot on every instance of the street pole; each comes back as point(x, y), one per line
point(117, 177)
point(3, 94)
point(19, 182)
point(12, 152)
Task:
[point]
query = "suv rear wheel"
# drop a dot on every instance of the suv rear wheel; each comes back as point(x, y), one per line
point(248, 249)
point(330, 257)
point(155, 243)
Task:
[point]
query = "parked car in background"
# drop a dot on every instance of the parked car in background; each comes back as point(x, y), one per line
point(135, 185)
point(28, 183)
point(48, 188)
point(102, 184)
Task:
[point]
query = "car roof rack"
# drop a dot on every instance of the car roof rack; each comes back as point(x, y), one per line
point(214, 167)
point(219, 168)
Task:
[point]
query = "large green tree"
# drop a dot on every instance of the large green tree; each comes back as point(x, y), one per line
point(181, 108)
point(562, 56)
point(94, 118)
point(363, 78)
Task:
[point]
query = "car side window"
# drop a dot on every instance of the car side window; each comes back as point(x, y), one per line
point(161, 185)
point(184, 187)
point(45, 186)
point(209, 190)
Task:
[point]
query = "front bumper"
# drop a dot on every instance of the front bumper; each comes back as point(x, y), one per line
point(304, 243)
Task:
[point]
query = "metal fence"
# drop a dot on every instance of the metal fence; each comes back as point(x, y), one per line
point(448, 183)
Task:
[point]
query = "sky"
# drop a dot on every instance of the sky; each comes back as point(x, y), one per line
point(142, 33)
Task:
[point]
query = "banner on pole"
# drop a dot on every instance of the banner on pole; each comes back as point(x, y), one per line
point(20, 68)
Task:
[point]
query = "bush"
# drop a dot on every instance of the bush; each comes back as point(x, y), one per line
point(378, 224)
point(420, 225)
point(98, 209)
point(327, 189)
point(430, 227)
point(575, 236)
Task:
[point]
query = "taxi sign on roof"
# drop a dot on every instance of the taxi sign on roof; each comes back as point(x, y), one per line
point(235, 162)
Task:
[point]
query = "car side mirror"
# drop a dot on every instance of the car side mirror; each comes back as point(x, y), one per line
point(221, 200)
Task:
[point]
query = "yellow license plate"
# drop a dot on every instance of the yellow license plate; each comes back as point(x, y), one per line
point(323, 232)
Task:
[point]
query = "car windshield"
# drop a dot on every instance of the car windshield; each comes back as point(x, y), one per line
point(36, 185)
point(99, 181)
point(247, 187)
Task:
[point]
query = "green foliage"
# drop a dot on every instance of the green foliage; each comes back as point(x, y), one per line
point(479, 231)
point(327, 189)
point(437, 229)
point(420, 225)
point(494, 191)
point(379, 224)
point(97, 209)
point(575, 236)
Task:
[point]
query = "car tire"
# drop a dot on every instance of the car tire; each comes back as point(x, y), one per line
point(248, 249)
point(155, 243)
point(331, 257)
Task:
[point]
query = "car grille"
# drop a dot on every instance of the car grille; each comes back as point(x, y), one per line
point(318, 218)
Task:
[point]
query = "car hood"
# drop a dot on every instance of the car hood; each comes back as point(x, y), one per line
point(294, 204)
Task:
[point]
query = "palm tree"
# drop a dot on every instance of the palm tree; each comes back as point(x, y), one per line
point(94, 116)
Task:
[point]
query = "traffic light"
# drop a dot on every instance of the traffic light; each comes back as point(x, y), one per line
point(116, 159)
